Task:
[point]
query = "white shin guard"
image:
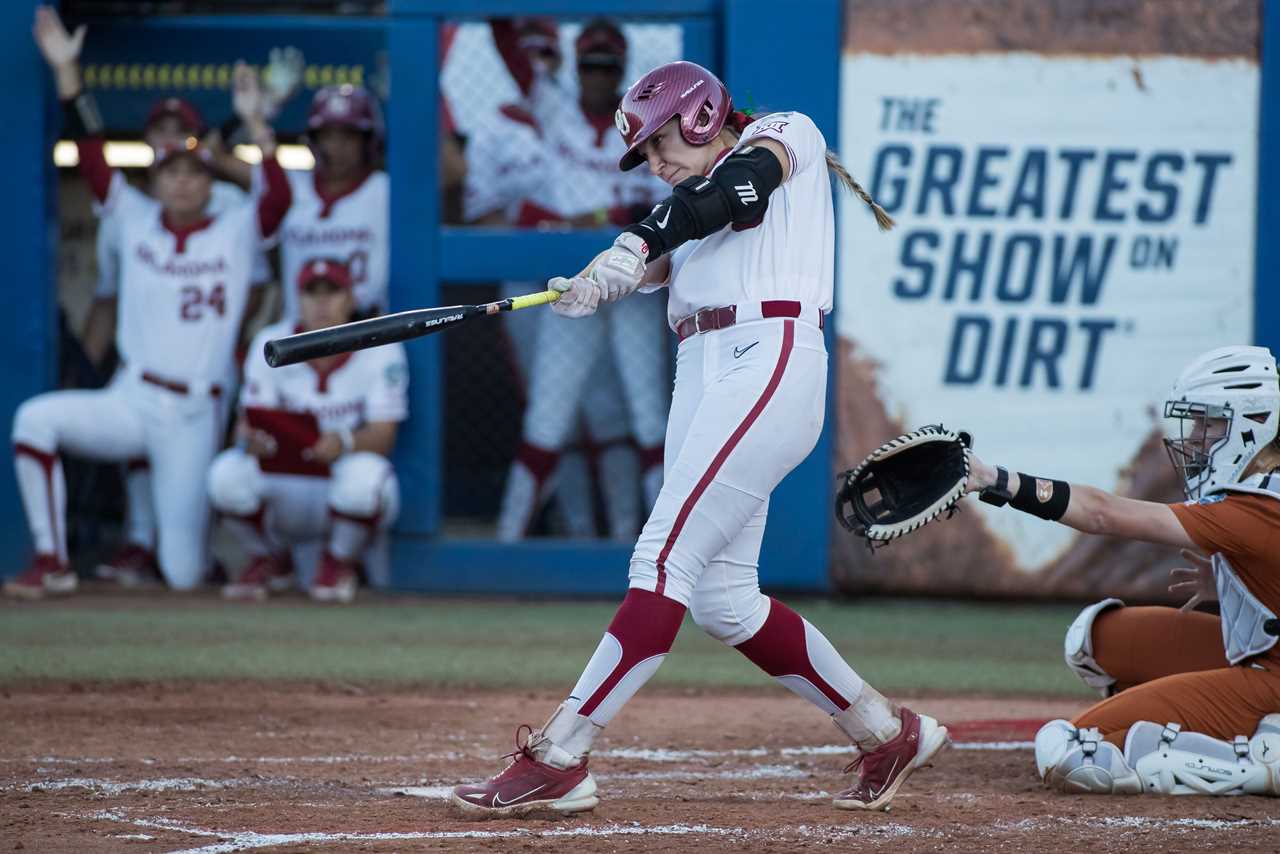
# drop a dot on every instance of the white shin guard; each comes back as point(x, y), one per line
point(1159, 760)
point(1080, 761)
point(1171, 762)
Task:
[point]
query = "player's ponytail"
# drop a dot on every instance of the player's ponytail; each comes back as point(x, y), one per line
point(850, 183)
point(737, 121)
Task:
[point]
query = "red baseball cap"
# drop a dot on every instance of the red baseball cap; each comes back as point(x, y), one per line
point(601, 43)
point(324, 270)
point(189, 147)
point(184, 110)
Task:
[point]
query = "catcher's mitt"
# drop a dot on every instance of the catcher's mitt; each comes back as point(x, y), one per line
point(904, 484)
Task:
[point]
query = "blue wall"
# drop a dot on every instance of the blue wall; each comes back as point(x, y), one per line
point(28, 219)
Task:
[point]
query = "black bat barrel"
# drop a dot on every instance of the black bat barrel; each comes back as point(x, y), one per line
point(1272, 626)
point(363, 334)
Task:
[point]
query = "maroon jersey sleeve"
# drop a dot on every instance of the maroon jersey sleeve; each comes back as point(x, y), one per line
point(93, 166)
point(276, 197)
point(507, 42)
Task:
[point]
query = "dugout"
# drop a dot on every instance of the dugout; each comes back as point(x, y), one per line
point(769, 58)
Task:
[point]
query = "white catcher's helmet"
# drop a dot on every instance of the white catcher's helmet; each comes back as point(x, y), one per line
point(1227, 407)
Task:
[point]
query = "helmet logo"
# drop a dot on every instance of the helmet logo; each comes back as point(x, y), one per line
point(686, 92)
point(620, 120)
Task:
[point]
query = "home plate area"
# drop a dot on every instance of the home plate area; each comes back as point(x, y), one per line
point(320, 767)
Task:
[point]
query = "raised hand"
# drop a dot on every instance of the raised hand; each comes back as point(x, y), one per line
point(59, 48)
point(1196, 580)
point(285, 66)
point(247, 96)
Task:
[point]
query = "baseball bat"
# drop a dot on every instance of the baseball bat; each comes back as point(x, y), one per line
point(1272, 626)
point(377, 331)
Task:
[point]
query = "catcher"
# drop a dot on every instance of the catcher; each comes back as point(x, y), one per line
point(1191, 697)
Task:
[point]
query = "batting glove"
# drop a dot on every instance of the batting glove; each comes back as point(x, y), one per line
point(579, 296)
point(621, 270)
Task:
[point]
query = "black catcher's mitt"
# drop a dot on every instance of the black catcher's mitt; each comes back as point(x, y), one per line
point(904, 484)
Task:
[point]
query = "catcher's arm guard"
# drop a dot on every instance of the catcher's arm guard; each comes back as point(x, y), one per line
point(904, 484)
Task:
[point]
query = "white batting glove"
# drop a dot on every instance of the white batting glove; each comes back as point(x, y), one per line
point(283, 76)
point(620, 271)
point(579, 296)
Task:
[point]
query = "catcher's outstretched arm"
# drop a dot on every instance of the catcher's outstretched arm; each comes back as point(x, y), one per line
point(1085, 508)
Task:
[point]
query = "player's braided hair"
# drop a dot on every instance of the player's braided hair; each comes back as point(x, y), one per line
point(738, 121)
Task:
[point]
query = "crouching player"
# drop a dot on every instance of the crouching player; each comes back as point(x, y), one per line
point(311, 457)
point(1191, 699)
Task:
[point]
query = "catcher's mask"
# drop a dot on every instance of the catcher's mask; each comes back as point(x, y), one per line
point(875, 500)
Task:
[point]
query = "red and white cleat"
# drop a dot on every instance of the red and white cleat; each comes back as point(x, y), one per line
point(527, 785)
point(886, 768)
point(335, 580)
point(132, 566)
point(45, 577)
point(264, 575)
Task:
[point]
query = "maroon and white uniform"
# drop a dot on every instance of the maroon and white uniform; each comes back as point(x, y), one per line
point(354, 505)
point(183, 294)
point(748, 406)
point(581, 177)
point(353, 227)
point(507, 171)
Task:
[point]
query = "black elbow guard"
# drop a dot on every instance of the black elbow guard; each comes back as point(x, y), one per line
point(738, 192)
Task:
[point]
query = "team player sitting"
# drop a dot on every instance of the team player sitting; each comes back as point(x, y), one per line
point(184, 282)
point(311, 455)
point(1192, 696)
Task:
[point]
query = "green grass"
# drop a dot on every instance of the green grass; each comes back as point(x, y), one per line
point(899, 646)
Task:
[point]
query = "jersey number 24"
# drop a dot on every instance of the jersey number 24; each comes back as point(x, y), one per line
point(195, 301)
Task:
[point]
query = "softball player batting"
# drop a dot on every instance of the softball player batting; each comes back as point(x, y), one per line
point(744, 244)
point(185, 278)
point(1195, 699)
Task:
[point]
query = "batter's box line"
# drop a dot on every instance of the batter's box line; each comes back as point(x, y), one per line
point(231, 841)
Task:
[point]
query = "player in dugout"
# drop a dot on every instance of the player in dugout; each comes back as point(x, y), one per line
point(311, 457)
point(169, 123)
point(1191, 698)
point(184, 284)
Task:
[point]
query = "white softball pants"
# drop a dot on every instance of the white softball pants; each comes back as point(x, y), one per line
point(130, 419)
point(748, 407)
point(351, 509)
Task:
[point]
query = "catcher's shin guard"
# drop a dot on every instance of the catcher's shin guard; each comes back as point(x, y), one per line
point(1079, 761)
point(1171, 762)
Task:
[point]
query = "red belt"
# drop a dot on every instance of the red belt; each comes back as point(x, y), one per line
point(175, 386)
point(710, 319)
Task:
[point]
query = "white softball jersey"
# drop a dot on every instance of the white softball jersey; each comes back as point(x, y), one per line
point(353, 227)
point(183, 294)
point(506, 164)
point(788, 255)
point(223, 196)
point(362, 387)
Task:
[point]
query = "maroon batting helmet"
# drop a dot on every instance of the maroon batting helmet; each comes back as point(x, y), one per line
point(347, 106)
point(683, 89)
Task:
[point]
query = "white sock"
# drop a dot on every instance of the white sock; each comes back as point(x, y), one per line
point(870, 721)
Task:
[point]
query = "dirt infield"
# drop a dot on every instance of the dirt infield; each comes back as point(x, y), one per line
point(220, 768)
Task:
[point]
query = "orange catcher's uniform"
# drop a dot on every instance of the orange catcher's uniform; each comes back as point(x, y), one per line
point(1172, 666)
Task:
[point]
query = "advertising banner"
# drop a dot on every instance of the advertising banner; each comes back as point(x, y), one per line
point(1072, 229)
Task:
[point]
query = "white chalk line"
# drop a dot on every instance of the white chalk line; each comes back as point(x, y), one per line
point(640, 754)
point(245, 840)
